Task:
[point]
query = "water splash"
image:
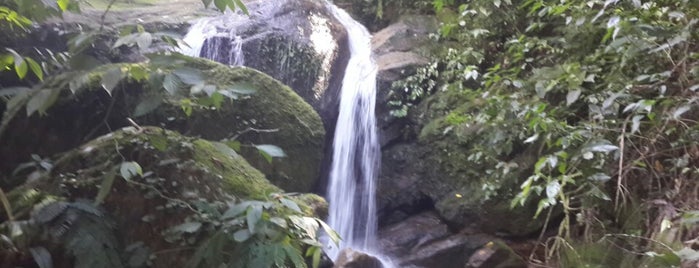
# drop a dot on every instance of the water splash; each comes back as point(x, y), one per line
point(356, 152)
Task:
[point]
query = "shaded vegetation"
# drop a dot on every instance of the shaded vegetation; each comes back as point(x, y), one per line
point(602, 93)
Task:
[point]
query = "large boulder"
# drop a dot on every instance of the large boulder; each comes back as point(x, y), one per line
point(437, 171)
point(424, 240)
point(290, 122)
point(299, 43)
point(400, 49)
point(465, 191)
point(178, 173)
point(350, 258)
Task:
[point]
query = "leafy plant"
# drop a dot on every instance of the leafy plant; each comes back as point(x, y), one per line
point(271, 233)
point(602, 92)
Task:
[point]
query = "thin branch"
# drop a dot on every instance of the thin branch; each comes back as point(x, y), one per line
point(104, 15)
point(250, 129)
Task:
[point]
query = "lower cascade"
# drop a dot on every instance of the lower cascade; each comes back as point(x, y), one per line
point(356, 150)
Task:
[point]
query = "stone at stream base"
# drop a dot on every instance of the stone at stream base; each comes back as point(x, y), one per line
point(350, 258)
point(495, 255)
point(424, 240)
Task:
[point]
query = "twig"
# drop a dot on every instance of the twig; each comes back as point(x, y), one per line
point(250, 129)
point(104, 15)
point(620, 179)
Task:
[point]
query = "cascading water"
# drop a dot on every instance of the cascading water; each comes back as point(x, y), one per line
point(215, 39)
point(356, 153)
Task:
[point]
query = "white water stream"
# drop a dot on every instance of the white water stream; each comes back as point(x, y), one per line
point(356, 153)
point(215, 39)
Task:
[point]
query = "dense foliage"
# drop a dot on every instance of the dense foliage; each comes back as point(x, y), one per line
point(49, 230)
point(603, 92)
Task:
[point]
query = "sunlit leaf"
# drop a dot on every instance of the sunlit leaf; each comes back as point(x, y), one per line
point(573, 96)
point(269, 151)
point(242, 235)
point(36, 68)
point(171, 84)
point(290, 204)
point(253, 216)
point(129, 170)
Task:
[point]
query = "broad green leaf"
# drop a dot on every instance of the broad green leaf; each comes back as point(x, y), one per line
point(78, 82)
point(242, 7)
point(221, 4)
point(138, 72)
point(253, 216)
point(147, 105)
point(105, 187)
point(21, 67)
point(573, 96)
point(188, 227)
point(334, 236)
point(552, 189)
point(688, 254)
point(42, 100)
point(269, 151)
point(171, 84)
point(125, 40)
point(206, 2)
point(111, 78)
point(242, 235)
point(636, 123)
point(144, 40)
point(291, 204)
point(234, 211)
point(189, 76)
point(129, 170)
point(36, 68)
point(225, 149)
point(63, 4)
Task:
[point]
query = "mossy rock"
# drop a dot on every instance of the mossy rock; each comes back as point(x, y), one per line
point(74, 119)
point(464, 192)
point(176, 170)
point(298, 128)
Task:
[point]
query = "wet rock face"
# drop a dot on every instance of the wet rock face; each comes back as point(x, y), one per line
point(297, 42)
point(350, 258)
point(399, 49)
point(424, 240)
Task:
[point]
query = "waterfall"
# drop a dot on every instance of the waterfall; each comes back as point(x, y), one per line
point(215, 39)
point(356, 150)
point(356, 153)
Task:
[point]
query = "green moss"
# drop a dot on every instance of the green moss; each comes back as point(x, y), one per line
point(239, 178)
point(298, 129)
point(287, 120)
point(312, 205)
